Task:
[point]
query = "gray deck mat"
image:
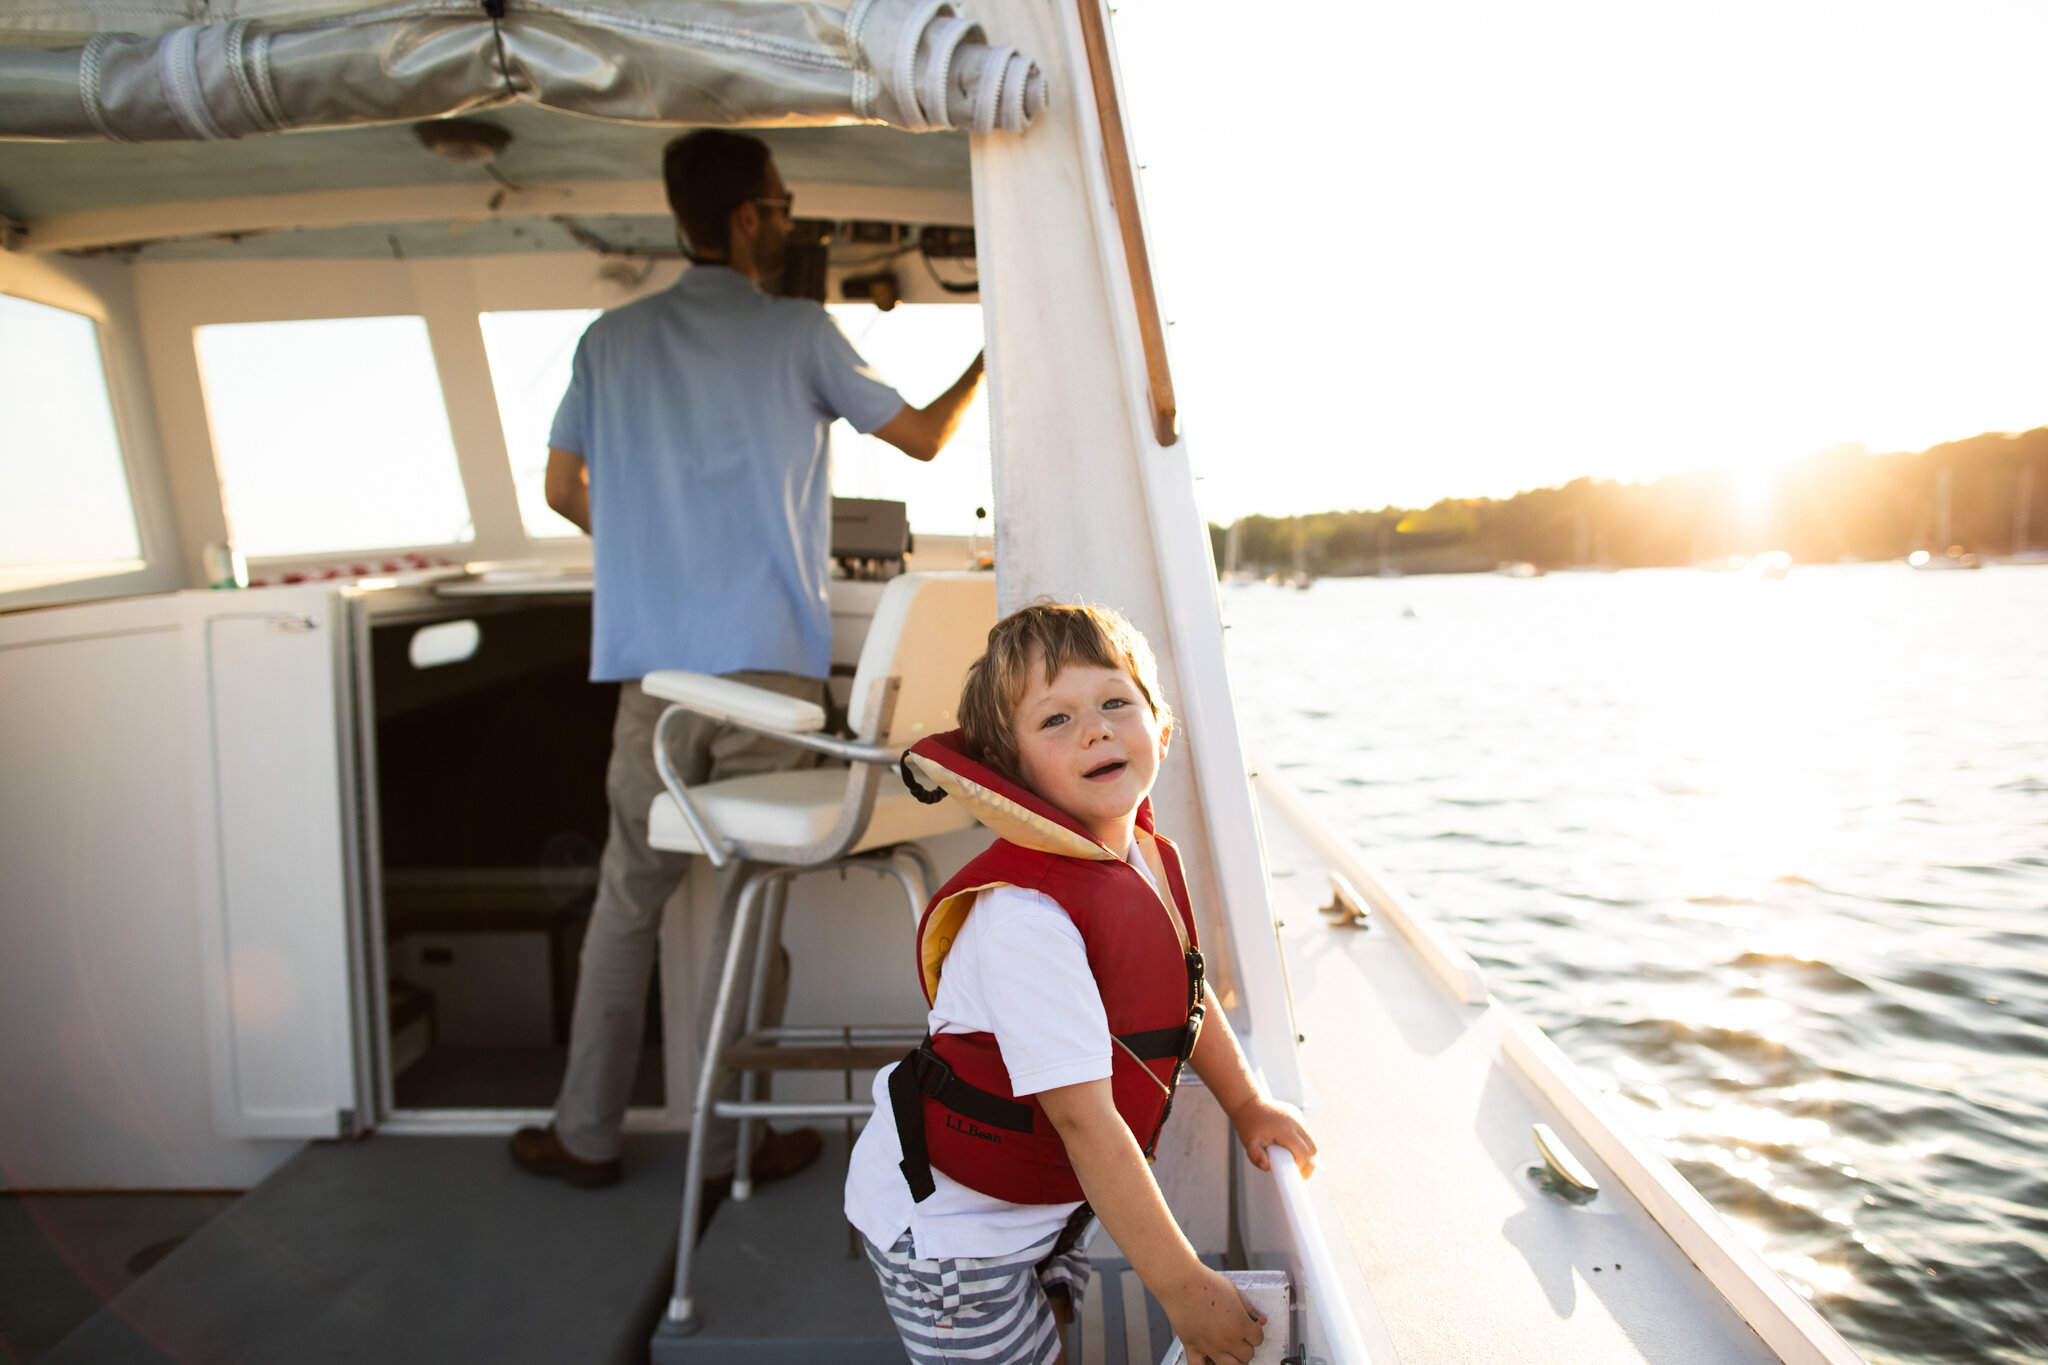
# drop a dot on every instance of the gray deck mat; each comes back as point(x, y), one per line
point(402, 1250)
point(779, 1283)
point(62, 1256)
point(775, 1282)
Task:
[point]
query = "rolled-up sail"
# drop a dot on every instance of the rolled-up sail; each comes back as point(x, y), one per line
point(186, 70)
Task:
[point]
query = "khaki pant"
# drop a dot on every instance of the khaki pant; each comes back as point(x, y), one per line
point(634, 882)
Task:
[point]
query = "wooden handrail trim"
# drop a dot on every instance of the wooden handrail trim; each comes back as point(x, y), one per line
point(1123, 188)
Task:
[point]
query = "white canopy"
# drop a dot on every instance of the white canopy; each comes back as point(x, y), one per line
point(182, 70)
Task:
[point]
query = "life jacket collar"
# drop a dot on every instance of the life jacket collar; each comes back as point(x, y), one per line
point(1010, 809)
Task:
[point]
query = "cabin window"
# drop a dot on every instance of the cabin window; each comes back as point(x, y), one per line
point(921, 348)
point(530, 352)
point(67, 513)
point(331, 436)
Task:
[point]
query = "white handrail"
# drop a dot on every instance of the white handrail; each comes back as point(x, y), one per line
point(1318, 1267)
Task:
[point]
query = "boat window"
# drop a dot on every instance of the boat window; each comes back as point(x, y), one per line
point(67, 513)
point(530, 351)
point(330, 435)
point(921, 348)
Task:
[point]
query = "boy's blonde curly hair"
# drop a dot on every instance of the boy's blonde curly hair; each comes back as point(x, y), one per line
point(1061, 634)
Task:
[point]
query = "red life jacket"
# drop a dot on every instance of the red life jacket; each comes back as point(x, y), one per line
point(951, 1096)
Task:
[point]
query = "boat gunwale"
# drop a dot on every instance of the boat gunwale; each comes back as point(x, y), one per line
point(1786, 1323)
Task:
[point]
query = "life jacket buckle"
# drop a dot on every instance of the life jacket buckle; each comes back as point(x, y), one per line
point(1193, 1033)
point(933, 1074)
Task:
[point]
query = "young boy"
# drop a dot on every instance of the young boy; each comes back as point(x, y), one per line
point(1066, 992)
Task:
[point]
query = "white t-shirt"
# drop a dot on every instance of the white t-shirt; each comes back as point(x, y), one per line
point(1018, 970)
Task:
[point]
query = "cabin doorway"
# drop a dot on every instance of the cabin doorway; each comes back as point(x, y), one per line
point(485, 746)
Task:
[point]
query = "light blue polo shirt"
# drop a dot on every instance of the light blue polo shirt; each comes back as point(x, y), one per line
point(702, 414)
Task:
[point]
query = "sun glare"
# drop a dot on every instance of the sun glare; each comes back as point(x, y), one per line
point(1755, 482)
point(1500, 246)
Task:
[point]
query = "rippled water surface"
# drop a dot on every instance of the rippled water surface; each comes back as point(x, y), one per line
point(1768, 859)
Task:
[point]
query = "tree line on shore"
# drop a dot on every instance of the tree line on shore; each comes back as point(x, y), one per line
point(1987, 494)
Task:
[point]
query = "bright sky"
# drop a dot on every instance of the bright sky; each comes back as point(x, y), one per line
point(1485, 245)
point(921, 348)
point(53, 397)
point(1480, 245)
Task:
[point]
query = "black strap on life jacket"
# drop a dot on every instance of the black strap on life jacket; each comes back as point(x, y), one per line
point(923, 1072)
point(1153, 1044)
point(1178, 1044)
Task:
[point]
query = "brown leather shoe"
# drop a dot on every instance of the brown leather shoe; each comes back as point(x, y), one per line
point(784, 1154)
point(539, 1151)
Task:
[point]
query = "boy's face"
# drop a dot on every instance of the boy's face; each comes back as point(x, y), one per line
point(1088, 742)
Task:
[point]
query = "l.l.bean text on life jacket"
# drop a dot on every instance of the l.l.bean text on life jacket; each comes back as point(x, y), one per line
point(972, 1129)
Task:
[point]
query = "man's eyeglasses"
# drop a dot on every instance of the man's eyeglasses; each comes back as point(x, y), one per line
point(787, 203)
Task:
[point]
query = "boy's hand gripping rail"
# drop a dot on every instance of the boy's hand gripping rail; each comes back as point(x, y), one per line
point(1318, 1267)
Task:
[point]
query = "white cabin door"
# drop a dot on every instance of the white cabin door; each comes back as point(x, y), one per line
point(274, 894)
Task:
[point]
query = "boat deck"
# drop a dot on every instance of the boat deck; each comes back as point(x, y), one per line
point(425, 1249)
point(63, 1256)
point(781, 1280)
point(1425, 1149)
point(402, 1250)
point(431, 1249)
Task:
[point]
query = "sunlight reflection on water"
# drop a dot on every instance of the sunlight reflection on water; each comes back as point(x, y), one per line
point(1766, 858)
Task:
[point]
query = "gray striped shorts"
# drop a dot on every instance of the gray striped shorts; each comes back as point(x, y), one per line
point(987, 1308)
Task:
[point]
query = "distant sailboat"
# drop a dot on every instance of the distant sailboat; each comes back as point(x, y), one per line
point(1233, 550)
point(1953, 556)
point(2022, 522)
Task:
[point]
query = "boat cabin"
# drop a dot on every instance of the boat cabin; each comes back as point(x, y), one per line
point(300, 488)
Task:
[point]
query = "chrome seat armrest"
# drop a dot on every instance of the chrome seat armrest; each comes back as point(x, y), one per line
point(714, 844)
point(753, 709)
point(729, 699)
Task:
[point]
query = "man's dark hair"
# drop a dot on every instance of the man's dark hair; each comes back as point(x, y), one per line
point(709, 173)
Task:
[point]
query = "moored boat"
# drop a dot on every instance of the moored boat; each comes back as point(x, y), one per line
point(251, 830)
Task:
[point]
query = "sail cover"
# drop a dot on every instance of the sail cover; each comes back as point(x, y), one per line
point(182, 70)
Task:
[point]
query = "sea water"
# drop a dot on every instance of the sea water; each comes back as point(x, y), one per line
point(1768, 859)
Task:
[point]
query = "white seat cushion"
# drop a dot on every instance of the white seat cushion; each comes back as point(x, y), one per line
point(796, 809)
